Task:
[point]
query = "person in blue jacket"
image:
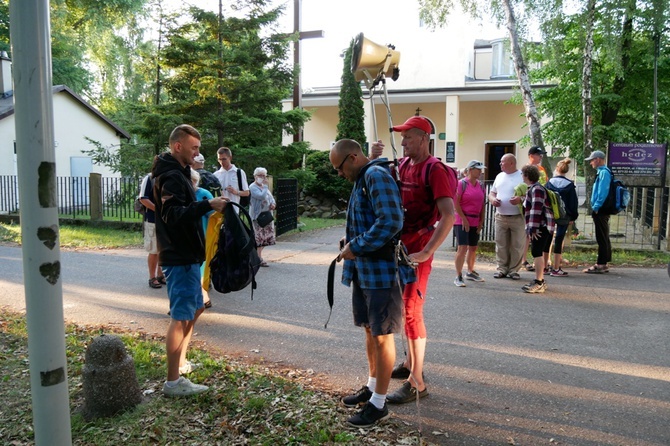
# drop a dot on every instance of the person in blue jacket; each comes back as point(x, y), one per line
point(601, 220)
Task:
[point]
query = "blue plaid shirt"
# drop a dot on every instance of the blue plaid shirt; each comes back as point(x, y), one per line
point(374, 217)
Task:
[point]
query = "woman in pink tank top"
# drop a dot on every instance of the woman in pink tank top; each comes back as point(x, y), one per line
point(469, 206)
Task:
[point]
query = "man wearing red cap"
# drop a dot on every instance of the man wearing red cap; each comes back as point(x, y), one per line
point(429, 217)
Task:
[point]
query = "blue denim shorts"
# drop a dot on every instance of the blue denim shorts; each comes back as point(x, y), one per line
point(184, 290)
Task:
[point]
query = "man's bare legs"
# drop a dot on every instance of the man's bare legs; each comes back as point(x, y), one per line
point(176, 343)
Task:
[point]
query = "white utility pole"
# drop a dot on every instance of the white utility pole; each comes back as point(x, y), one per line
point(38, 202)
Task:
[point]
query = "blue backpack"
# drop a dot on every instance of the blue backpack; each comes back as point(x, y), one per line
point(618, 197)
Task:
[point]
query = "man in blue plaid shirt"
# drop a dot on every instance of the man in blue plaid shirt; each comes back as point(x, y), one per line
point(374, 217)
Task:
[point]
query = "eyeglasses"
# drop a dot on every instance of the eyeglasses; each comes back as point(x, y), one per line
point(339, 168)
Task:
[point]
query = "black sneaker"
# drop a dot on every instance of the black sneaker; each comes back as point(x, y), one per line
point(358, 398)
point(400, 372)
point(369, 416)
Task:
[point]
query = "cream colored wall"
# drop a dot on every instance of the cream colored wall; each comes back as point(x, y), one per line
point(321, 130)
point(483, 63)
point(480, 123)
point(485, 122)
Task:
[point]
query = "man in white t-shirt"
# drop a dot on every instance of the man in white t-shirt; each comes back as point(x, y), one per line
point(228, 177)
point(509, 224)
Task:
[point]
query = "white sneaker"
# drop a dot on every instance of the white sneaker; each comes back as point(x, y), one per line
point(187, 368)
point(459, 281)
point(184, 387)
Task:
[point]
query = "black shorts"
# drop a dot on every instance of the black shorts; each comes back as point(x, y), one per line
point(381, 310)
point(470, 238)
point(541, 245)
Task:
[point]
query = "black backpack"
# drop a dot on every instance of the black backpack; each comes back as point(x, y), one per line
point(244, 201)
point(210, 182)
point(236, 261)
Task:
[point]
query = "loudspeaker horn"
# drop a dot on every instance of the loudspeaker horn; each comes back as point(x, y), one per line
point(369, 60)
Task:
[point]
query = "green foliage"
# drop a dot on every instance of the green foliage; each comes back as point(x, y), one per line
point(245, 404)
point(304, 177)
point(10, 233)
point(84, 31)
point(4, 26)
point(622, 77)
point(326, 182)
point(87, 237)
point(231, 91)
point(278, 160)
point(351, 111)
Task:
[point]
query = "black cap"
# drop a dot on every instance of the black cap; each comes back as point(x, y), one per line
point(536, 150)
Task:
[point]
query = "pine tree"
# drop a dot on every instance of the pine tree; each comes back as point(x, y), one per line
point(351, 111)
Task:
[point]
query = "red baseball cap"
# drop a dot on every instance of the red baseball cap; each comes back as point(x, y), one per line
point(415, 122)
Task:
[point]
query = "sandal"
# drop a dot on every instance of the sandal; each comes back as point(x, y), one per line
point(528, 266)
point(161, 279)
point(263, 263)
point(596, 269)
point(499, 275)
point(514, 276)
point(155, 283)
point(208, 304)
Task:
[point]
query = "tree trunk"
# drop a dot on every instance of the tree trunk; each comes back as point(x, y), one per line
point(524, 84)
point(589, 172)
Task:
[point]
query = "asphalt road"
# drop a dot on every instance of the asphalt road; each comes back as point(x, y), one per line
point(586, 363)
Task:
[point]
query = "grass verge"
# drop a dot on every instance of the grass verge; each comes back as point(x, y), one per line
point(576, 256)
point(91, 237)
point(246, 403)
point(81, 237)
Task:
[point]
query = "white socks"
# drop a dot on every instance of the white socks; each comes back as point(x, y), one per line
point(378, 400)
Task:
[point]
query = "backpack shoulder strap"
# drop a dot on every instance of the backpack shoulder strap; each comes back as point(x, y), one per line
point(239, 179)
point(404, 162)
point(381, 162)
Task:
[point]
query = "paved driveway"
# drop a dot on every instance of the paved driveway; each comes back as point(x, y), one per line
point(586, 363)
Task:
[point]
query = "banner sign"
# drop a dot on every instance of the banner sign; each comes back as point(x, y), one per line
point(450, 154)
point(638, 164)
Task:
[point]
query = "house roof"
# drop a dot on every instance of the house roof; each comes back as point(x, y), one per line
point(7, 108)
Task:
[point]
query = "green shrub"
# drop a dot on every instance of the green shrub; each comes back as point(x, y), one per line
point(326, 183)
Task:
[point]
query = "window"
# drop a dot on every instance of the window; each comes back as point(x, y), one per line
point(501, 66)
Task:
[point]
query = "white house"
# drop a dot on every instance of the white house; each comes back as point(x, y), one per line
point(74, 121)
point(460, 81)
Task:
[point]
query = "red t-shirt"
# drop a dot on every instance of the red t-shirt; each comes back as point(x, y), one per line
point(418, 199)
